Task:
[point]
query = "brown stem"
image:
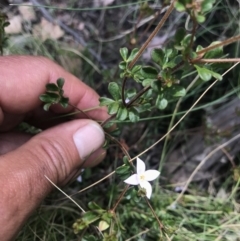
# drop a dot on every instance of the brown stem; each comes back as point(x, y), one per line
point(161, 226)
point(230, 60)
point(139, 94)
point(155, 31)
point(223, 43)
point(144, 46)
point(150, 24)
point(88, 117)
point(108, 119)
point(119, 199)
point(193, 31)
point(120, 144)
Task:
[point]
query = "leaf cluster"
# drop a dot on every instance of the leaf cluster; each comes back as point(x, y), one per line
point(54, 95)
point(96, 215)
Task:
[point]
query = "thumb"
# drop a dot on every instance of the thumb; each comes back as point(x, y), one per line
point(55, 153)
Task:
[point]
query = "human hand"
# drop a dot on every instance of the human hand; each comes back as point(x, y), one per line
point(57, 152)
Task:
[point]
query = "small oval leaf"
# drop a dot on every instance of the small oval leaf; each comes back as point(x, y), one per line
point(114, 90)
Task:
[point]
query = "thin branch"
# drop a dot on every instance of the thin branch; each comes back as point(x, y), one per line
point(230, 60)
point(119, 199)
point(223, 43)
point(155, 31)
point(161, 226)
point(81, 111)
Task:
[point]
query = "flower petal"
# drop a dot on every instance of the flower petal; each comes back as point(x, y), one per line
point(132, 180)
point(140, 166)
point(148, 188)
point(150, 175)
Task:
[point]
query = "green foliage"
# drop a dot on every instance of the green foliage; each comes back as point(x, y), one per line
point(154, 86)
point(197, 9)
point(206, 74)
point(3, 38)
point(95, 216)
point(54, 95)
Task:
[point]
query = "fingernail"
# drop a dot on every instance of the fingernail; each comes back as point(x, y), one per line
point(88, 139)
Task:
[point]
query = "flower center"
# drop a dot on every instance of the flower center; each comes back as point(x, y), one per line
point(141, 177)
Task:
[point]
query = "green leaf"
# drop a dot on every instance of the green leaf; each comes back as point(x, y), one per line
point(131, 92)
point(49, 98)
point(122, 170)
point(206, 74)
point(122, 113)
point(125, 160)
point(133, 116)
point(161, 103)
point(170, 64)
point(147, 82)
point(103, 225)
point(200, 18)
point(79, 225)
point(104, 101)
point(203, 73)
point(124, 53)
point(136, 68)
point(60, 82)
point(122, 65)
point(52, 87)
point(113, 108)
point(47, 106)
point(181, 32)
point(207, 5)
point(64, 102)
point(149, 72)
point(179, 6)
point(199, 47)
point(132, 55)
point(145, 107)
point(94, 206)
point(114, 90)
point(214, 53)
point(178, 91)
point(158, 56)
point(90, 217)
point(6, 24)
point(186, 41)
point(216, 75)
point(45, 98)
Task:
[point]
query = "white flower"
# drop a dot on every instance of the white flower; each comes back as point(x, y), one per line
point(143, 177)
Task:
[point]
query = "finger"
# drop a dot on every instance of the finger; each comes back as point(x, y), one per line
point(55, 153)
point(12, 140)
point(23, 80)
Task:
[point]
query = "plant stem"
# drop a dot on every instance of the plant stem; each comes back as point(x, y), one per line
point(88, 117)
point(161, 226)
point(119, 143)
point(155, 31)
point(119, 199)
point(144, 46)
point(108, 119)
point(129, 104)
point(138, 95)
point(193, 31)
point(230, 60)
point(223, 43)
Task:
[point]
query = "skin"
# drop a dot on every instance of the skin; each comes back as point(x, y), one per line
point(25, 159)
